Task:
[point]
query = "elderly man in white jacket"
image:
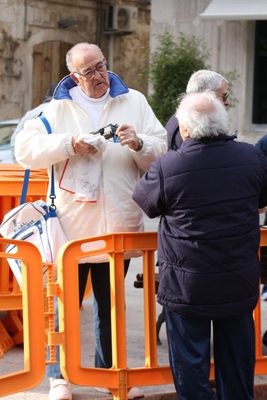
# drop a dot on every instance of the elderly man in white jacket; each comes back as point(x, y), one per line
point(94, 177)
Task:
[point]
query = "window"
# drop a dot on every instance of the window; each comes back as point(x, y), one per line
point(259, 115)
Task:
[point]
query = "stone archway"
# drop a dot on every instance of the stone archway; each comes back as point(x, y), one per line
point(48, 65)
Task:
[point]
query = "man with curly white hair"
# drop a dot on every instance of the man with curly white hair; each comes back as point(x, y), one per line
point(200, 81)
point(208, 194)
point(202, 116)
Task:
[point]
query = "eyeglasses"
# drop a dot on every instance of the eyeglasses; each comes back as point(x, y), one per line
point(225, 97)
point(101, 67)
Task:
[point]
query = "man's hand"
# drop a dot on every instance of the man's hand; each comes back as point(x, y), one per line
point(127, 136)
point(81, 147)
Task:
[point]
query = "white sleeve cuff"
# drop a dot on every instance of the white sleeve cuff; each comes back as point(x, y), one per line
point(69, 147)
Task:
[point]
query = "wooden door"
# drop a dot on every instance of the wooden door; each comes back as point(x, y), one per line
point(49, 64)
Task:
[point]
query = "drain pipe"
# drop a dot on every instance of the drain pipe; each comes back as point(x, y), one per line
point(25, 20)
point(110, 52)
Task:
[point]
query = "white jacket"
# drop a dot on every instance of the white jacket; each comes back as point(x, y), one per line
point(34, 113)
point(114, 210)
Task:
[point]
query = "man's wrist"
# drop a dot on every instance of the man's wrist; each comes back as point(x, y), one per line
point(140, 145)
point(69, 146)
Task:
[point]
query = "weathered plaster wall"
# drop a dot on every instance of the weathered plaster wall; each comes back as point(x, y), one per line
point(25, 23)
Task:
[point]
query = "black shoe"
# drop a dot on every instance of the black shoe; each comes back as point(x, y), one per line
point(264, 338)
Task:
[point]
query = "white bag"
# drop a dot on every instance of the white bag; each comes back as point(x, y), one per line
point(37, 223)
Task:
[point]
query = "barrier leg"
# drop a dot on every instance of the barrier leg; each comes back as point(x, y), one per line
point(13, 325)
point(6, 343)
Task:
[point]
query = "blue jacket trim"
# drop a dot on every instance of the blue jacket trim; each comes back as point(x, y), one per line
point(117, 87)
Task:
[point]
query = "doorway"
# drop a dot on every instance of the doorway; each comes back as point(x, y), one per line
point(48, 65)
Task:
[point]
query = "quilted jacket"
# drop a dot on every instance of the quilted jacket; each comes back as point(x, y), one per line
point(207, 193)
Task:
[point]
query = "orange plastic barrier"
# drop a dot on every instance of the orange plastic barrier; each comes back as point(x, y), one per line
point(11, 179)
point(119, 378)
point(33, 320)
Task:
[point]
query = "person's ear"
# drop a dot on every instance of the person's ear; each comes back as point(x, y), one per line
point(74, 77)
point(186, 134)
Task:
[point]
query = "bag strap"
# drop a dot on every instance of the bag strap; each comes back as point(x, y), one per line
point(27, 173)
point(25, 186)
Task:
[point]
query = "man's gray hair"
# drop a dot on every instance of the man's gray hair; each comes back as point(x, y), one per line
point(203, 80)
point(203, 115)
point(75, 50)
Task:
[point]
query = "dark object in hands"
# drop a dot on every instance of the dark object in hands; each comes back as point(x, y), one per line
point(108, 131)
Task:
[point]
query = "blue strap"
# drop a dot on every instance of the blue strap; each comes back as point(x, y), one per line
point(27, 172)
point(25, 186)
point(46, 123)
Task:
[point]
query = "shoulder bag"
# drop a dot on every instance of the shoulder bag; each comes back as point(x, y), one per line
point(35, 222)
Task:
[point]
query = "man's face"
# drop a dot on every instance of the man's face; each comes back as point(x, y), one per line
point(89, 60)
point(222, 94)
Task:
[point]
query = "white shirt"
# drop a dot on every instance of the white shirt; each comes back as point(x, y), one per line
point(92, 107)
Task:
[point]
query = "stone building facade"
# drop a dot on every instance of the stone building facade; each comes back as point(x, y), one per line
point(36, 34)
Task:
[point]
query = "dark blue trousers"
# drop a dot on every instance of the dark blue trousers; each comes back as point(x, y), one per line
point(234, 356)
point(102, 319)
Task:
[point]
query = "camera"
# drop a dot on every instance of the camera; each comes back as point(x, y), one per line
point(107, 131)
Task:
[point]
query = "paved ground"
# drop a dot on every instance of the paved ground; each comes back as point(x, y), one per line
point(13, 359)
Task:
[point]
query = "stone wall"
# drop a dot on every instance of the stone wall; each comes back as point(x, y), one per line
point(25, 24)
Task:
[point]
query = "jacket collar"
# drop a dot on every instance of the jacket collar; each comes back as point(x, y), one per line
point(207, 140)
point(117, 87)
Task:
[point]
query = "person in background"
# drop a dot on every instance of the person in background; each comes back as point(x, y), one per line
point(208, 198)
point(99, 200)
point(32, 114)
point(200, 81)
point(262, 146)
